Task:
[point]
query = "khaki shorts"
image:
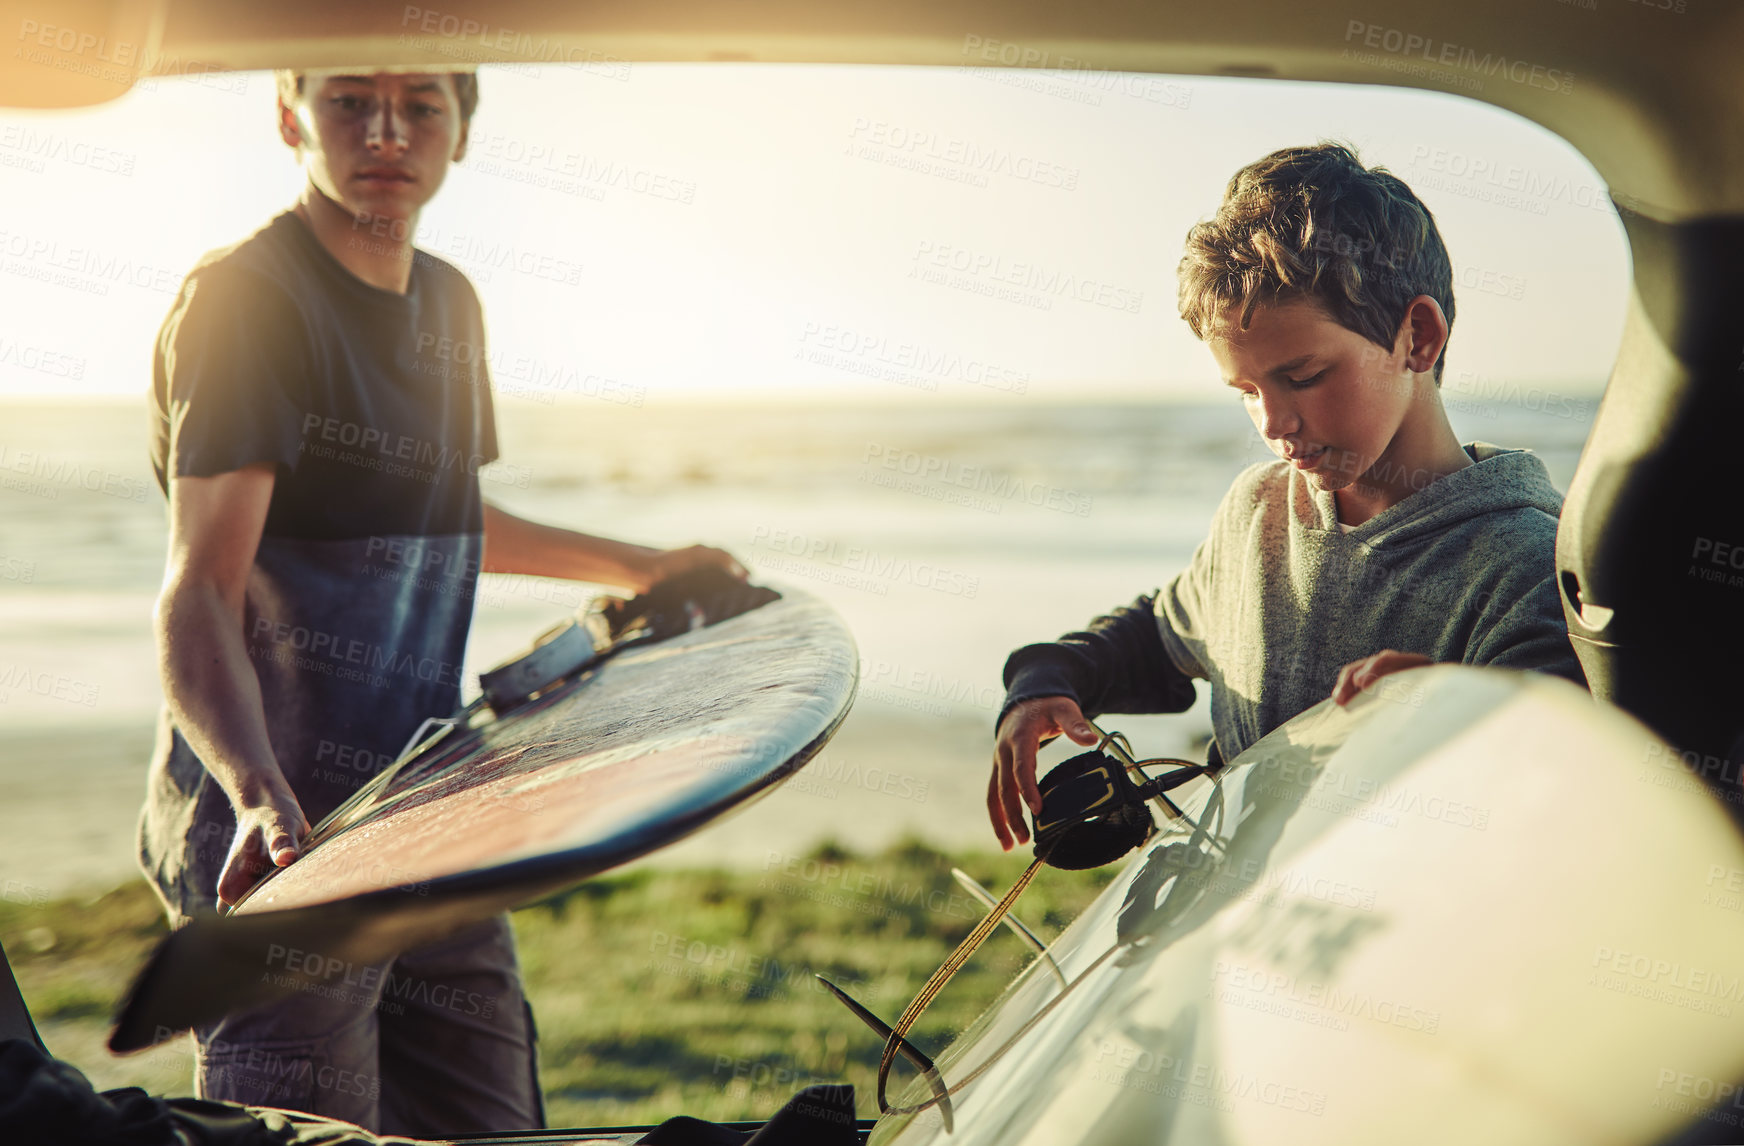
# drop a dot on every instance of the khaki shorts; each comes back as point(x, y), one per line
point(438, 1041)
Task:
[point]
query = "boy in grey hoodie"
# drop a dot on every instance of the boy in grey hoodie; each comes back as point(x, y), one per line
point(1376, 543)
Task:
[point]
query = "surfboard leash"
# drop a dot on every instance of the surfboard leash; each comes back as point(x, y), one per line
point(972, 941)
point(1092, 814)
point(942, 1092)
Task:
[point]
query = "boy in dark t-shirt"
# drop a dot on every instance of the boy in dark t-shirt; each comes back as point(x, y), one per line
point(326, 535)
point(353, 644)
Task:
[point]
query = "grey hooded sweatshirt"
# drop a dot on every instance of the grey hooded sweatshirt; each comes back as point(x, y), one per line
point(1278, 598)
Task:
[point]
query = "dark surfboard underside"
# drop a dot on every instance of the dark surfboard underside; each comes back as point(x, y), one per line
point(632, 755)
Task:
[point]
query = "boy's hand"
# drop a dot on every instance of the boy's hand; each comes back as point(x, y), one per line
point(1013, 783)
point(664, 563)
point(268, 835)
point(1358, 675)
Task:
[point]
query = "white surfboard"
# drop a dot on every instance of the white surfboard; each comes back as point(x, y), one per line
point(1474, 907)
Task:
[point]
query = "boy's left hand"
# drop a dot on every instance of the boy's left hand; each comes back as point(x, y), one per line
point(1358, 675)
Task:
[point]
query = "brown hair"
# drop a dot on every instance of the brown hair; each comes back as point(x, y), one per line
point(290, 86)
point(1313, 222)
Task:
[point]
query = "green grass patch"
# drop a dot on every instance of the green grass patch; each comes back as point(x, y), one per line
point(660, 993)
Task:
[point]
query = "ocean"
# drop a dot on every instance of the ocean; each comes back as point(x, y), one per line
point(945, 534)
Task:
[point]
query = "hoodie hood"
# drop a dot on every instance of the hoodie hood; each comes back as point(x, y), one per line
point(1499, 480)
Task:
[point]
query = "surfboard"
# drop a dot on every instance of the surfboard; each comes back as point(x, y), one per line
point(499, 808)
point(1474, 906)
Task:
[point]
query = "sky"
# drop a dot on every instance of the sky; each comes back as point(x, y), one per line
point(680, 231)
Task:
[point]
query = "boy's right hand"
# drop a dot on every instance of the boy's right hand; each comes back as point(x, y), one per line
point(1013, 783)
point(268, 835)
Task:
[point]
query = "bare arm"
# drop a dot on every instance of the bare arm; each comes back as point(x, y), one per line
point(515, 545)
point(208, 681)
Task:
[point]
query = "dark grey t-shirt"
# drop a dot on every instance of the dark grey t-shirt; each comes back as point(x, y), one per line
point(375, 409)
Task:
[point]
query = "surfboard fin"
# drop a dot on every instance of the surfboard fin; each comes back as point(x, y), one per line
point(908, 1050)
